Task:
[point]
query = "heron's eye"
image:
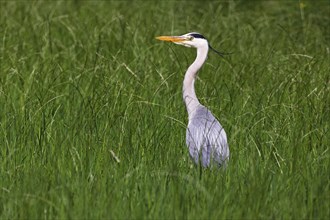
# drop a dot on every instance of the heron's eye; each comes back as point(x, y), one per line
point(190, 38)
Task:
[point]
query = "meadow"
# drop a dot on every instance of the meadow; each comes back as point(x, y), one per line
point(92, 121)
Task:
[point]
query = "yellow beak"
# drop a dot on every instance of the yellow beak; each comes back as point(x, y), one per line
point(171, 38)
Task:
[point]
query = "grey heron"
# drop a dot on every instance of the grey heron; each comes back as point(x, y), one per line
point(205, 137)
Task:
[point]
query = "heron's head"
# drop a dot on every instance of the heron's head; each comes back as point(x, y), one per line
point(192, 39)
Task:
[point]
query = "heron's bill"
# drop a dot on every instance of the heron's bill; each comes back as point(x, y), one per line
point(171, 38)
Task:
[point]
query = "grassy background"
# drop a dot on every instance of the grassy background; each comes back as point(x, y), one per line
point(92, 123)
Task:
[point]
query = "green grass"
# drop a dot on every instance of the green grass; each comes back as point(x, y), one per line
point(92, 122)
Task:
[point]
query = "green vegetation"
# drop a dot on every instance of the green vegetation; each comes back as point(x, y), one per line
point(92, 122)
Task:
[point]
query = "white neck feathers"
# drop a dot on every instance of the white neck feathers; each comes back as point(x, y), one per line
point(189, 95)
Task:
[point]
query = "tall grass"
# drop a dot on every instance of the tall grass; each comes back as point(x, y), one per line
point(92, 123)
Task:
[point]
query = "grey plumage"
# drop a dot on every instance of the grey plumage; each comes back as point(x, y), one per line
point(206, 139)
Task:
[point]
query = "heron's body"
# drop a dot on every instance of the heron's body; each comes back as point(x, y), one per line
point(205, 137)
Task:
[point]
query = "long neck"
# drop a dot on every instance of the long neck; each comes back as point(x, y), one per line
point(189, 95)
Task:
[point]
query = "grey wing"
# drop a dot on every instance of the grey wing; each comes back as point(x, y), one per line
point(206, 139)
point(218, 140)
